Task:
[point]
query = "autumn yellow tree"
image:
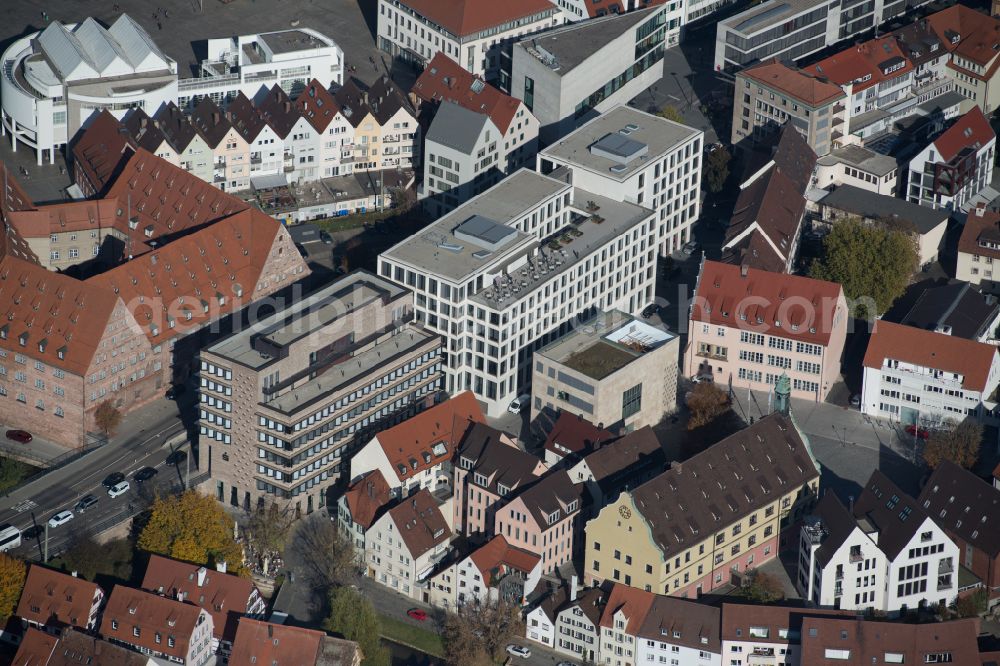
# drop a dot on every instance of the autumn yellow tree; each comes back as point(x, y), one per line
point(195, 528)
point(12, 575)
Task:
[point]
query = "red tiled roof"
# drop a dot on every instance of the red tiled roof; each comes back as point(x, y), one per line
point(774, 618)
point(101, 150)
point(971, 34)
point(796, 83)
point(420, 523)
point(772, 206)
point(86, 215)
point(445, 80)
point(366, 497)
point(869, 59)
point(73, 648)
point(573, 432)
point(970, 131)
point(36, 648)
point(985, 227)
point(409, 446)
point(466, 17)
point(968, 358)
point(789, 306)
point(632, 602)
point(263, 643)
point(13, 198)
point(153, 615)
point(317, 105)
point(497, 555)
point(53, 598)
point(868, 642)
point(225, 596)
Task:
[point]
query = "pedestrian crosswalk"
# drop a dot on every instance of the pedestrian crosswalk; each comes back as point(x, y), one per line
point(24, 505)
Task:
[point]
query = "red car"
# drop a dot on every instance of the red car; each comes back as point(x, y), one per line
point(22, 436)
point(922, 433)
point(417, 614)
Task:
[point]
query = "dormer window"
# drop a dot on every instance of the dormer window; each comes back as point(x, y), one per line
point(22, 339)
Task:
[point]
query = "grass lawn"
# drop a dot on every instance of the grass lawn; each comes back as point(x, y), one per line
point(12, 472)
point(407, 634)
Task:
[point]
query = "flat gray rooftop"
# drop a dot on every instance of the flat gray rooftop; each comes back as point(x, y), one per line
point(287, 41)
point(313, 312)
point(660, 135)
point(438, 250)
point(860, 157)
point(565, 48)
point(767, 15)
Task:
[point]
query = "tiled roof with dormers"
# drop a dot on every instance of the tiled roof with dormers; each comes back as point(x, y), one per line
point(317, 105)
point(278, 111)
point(210, 122)
point(101, 150)
point(148, 620)
point(245, 117)
point(175, 126)
point(13, 198)
point(57, 599)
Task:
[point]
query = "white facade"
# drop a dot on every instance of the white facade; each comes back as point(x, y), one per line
point(372, 456)
point(760, 650)
point(925, 571)
point(852, 578)
point(391, 563)
point(247, 63)
point(662, 650)
point(539, 627)
point(972, 174)
point(267, 152)
point(496, 302)
point(663, 173)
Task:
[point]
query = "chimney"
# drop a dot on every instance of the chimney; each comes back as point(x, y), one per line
point(220, 566)
point(73, 574)
point(202, 572)
point(744, 269)
point(215, 117)
point(364, 96)
point(572, 588)
point(180, 596)
point(270, 630)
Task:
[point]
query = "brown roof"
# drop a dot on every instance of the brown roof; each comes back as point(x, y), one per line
point(939, 351)
point(264, 643)
point(210, 122)
point(838, 523)
point(385, 99)
point(13, 198)
point(84, 215)
point(754, 250)
point(773, 206)
point(498, 556)
point(725, 483)
point(352, 99)
point(494, 458)
point(143, 130)
point(971, 506)
point(245, 117)
point(756, 302)
point(410, 446)
point(981, 229)
point(420, 523)
point(869, 642)
point(467, 17)
point(682, 622)
point(632, 602)
point(869, 59)
point(101, 150)
point(796, 83)
point(738, 618)
point(894, 514)
point(795, 157)
point(154, 616)
point(635, 449)
point(971, 34)
point(573, 432)
point(53, 598)
point(188, 276)
point(73, 648)
point(317, 105)
point(972, 131)
point(367, 497)
point(553, 492)
point(590, 601)
point(445, 80)
point(226, 597)
point(279, 112)
point(175, 126)
point(61, 320)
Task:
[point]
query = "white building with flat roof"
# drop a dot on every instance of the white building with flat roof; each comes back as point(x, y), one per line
point(513, 268)
point(638, 158)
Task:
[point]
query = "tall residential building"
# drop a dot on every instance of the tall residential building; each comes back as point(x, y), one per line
point(386, 133)
point(638, 158)
point(509, 271)
point(748, 327)
point(722, 511)
point(474, 34)
point(284, 401)
point(571, 74)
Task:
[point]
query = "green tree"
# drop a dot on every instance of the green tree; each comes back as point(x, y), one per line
point(12, 472)
point(195, 528)
point(12, 575)
point(706, 402)
point(353, 617)
point(327, 554)
point(872, 263)
point(91, 559)
point(957, 442)
point(762, 587)
point(670, 112)
point(267, 532)
point(717, 169)
point(973, 604)
point(107, 418)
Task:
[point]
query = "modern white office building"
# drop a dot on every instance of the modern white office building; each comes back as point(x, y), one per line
point(510, 270)
point(54, 80)
point(635, 157)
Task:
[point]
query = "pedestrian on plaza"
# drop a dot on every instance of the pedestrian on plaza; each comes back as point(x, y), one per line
point(166, 14)
point(159, 26)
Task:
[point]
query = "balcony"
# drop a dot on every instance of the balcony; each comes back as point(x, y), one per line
point(838, 590)
point(255, 158)
point(838, 108)
point(711, 355)
point(944, 582)
point(288, 168)
point(946, 566)
point(763, 656)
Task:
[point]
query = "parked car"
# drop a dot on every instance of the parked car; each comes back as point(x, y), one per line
point(518, 651)
point(112, 479)
point(518, 404)
point(145, 474)
point(326, 237)
point(177, 457)
point(856, 400)
point(85, 503)
point(22, 436)
point(917, 431)
point(118, 489)
point(175, 391)
point(417, 614)
point(60, 518)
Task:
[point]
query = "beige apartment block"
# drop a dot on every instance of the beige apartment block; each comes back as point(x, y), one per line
point(613, 370)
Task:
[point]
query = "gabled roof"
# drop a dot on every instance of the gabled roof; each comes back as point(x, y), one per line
point(175, 126)
point(386, 99)
point(970, 132)
point(725, 483)
point(37, 648)
point(352, 99)
point(366, 498)
point(497, 556)
point(278, 110)
point(635, 449)
point(773, 206)
point(265, 643)
point(210, 122)
point(554, 492)
point(871, 205)
point(795, 157)
point(866, 64)
point(738, 618)
point(631, 602)
point(72, 648)
point(444, 80)
point(870, 642)
point(981, 231)
point(590, 601)
point(143, 131)
point(796, 83)
point(13, 198)
point(968, 358)
point(318, 106)
point(838, 523)
point(457, 127)
point(102, 149)
point(496, 460)
point(467, 17)
point(971, 507)
point(224, 596)
point(726, 297)
point(575, 433)
point(430, 437)
point(420, 523)
point(894, 514)
point(56, 599)
point(965, 310)
point(153, 615)
point(682, 622)
point(969, 33)
point(245, 117)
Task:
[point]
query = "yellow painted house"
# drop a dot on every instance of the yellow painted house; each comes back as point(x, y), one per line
point(686, 531)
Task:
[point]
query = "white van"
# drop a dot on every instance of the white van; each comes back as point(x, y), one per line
point(518, 404)
point(10, 537)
